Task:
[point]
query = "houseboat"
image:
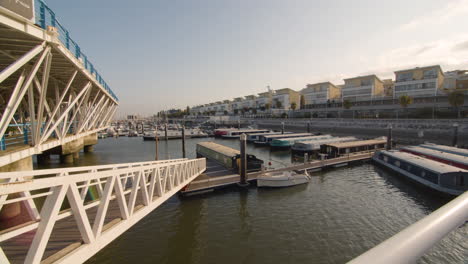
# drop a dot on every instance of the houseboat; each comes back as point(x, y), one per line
point(447, 149)
point(226, 156)
point(314, 145)
point(219, 132)
point(237, 132)
point(288, 142)
point(255, 136)
point(435, 175)
point(334, 150)
point(266, 139)
point(443, 157)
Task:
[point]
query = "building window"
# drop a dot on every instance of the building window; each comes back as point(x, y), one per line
point(403, 77)
point(430, 74)
point(366, 82)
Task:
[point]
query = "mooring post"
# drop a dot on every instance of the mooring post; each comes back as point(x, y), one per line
point(165, 131)
point(308, 127)
point(183, 142)
point(389, 138)
point(243, 162)
point(238, 124)
point(156, 139)
point(306, 157)
point(455, 135)
point(282, 127)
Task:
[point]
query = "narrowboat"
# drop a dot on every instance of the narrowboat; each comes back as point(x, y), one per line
point(435, 175)
point(266, 139)
point(447, 149)
point(255, 136)
point(443, 157)
point(314, 145)
point(219, 132)
point(226, 156)
point(288, 142)
point(334, 150)
point(237, 132)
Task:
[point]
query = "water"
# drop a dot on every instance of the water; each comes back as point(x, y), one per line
point(339, 215)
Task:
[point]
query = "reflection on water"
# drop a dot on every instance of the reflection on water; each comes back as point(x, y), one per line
point(339, 215)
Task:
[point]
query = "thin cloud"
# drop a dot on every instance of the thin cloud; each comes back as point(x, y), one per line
point(461, 46)
point(442, 15)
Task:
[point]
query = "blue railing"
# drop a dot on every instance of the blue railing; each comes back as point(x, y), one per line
point(46, 17)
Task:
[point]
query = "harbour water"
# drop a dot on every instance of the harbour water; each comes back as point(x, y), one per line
point(339, 215)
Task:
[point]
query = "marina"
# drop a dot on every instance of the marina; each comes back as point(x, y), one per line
point(154, 164)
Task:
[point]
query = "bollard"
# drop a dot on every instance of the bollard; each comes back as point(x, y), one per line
point(389, 138)
point(243, 162)
point(306, 157)
point(183, 142)
point(156, 139)
point(282, 127)
point(308, 127)
point(455, 135)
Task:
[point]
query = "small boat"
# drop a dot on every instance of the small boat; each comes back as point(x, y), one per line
point(282, 179)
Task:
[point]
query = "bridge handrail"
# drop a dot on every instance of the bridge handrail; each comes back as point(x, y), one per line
point(409, 245)
point(83, 169)
point(46, 17)
point(138, 190)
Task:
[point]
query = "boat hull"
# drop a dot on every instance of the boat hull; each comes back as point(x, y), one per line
point(282, 181)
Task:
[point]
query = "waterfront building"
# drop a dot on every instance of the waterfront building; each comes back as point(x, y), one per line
point(236, 104)
point(389, 86)
point(362, 88)
point(249, 102)
point(419, 82)
point(320, 93)
point(263, 99)
point(456, 80)
point(284, 98)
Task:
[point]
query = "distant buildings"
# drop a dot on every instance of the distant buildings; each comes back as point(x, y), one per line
point(362, 88)
point(419, 82)
point(320, 93)
point(285, 98)
point(416, 82)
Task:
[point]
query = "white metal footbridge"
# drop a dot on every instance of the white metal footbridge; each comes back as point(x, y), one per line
point(50, 93)
point(73, 213)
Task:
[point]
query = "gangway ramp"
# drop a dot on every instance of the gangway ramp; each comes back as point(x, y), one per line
point(67, 223)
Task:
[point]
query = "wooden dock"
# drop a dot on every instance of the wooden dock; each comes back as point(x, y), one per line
point(217, 176)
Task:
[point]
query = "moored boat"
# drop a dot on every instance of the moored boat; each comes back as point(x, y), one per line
point(447, 149)
point(282, 179)
point(435, 175)
point(288, 142)
point(236, 133)
point(266, 139)
point(314, 145)
point(440, 156)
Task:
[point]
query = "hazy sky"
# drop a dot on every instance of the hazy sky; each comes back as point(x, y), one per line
point(162, 54)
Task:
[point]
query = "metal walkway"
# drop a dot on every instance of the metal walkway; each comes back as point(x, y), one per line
point(73, 213)
point(49, 90)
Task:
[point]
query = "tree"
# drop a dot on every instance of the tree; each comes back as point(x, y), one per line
point(187, 110)
point(302, 106)
point(236, 111)
point(267, 106)
point(347, 104)
point(225, 112)
point(405, 101)
point(456, 99)
point(293, 106)
point(278, 104)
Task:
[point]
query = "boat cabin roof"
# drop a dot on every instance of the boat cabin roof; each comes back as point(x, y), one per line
point(358, 143)
point(289, 135)
point(454, 150)
point(439, 154)
point(227, 151)
point(310, 138)
point(422, 162)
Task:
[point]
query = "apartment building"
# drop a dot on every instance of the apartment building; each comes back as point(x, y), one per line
point(320, 93)
point(389, 86)
point(362, 88)
point(249, 102)
point(236, 104)
point(284, 98)
point(455, 81)
point(419, 82)
point(263, 99)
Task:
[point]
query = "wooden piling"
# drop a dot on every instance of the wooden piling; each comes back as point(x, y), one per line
point(165, 132)
point(243, 163)
point(183, 142)
point(389, 138)
point(455, 135)
point(156, 139)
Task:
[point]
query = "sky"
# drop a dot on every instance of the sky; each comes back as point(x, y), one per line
point(157, 54)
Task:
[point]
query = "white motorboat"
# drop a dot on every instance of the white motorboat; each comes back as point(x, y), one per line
point(282, 179)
